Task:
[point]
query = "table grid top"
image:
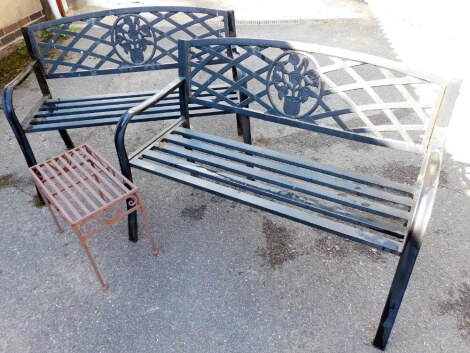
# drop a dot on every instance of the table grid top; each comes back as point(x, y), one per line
point(80, 182)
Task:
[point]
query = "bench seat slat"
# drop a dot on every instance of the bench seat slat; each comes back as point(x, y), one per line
point(289, 170)
point(95, 106)
point(394, 229)
point(274, 155)
point(309, 189)
point(344, 230)
point(92, 101)
point(107, 114)
point(67, 100)
point(113, 120)
point(107, 110)
point(93, 111)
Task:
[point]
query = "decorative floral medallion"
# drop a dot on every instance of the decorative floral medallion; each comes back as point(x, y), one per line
point(294, 86)
point(133, 39)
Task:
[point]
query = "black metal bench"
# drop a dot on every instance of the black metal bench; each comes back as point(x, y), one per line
point(335, 92)
point(107, 42)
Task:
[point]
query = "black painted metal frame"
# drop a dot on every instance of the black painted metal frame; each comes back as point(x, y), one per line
point(166, 22)
point(97, 32)
point(188, 156)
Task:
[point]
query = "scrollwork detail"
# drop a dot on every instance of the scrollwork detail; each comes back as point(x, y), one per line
point(132, 201)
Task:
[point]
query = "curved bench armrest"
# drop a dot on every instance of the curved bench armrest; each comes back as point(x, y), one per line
point(8, 90)
point(426, 197)
point(22, 75)
point(121, 127)
point(428, 179)
point(10, 113)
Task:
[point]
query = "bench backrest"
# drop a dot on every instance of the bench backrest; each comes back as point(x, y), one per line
point(337, 92)
point(121, 40)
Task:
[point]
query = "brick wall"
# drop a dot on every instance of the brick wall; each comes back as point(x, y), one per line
point(17, 13)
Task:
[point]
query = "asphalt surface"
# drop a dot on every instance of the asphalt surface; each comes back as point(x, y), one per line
point(217, 286)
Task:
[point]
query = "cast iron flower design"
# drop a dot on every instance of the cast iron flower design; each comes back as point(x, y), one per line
point(295, 81)
point(134, 39)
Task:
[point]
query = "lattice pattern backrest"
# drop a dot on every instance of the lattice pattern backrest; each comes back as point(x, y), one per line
point(363, 98)
point(122, 40)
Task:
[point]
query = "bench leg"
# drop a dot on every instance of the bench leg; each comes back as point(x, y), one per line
point(22, 140)
point(243, 122)
point(239, 125)
point(132, 217)
point(66, 138)
point(30, 161)
point(246, 129)
point(132, 226)
point(24, 144)
point(126, 171)
point(397, 291)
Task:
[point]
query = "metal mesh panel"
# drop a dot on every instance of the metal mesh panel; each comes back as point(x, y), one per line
point(121, 40)
point(308, 89)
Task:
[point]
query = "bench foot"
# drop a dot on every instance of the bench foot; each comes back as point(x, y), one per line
point(397, 291)
point(38, 200)
point(66, 138)
point(186, 124)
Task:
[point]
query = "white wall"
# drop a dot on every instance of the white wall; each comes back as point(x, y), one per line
point(14, 10)
point(433, 35)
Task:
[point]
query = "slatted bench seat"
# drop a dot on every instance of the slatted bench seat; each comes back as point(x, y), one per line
point(358, 200)
point(72, 113)
point(338, 93)
point(103, 43)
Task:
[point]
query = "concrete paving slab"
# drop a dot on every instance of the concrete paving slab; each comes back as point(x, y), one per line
point(245, 10)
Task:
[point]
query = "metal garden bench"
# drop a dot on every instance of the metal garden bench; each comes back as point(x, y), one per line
point(101, 43)
point(330, 91)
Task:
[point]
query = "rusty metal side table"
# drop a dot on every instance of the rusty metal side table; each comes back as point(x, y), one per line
point(89, 194)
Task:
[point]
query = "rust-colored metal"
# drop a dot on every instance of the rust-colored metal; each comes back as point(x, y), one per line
point(89, 194)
